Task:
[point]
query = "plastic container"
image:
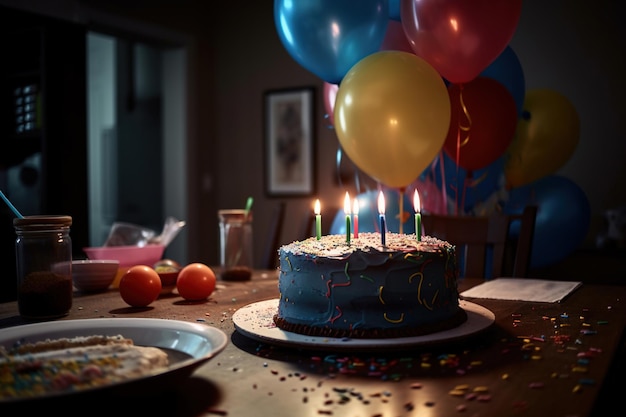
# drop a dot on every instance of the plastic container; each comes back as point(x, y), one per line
point(127, 256)
point(43, 250)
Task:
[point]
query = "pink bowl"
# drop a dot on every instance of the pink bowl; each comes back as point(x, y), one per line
point(127, 255)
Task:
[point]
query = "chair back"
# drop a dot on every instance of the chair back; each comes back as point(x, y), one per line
point(270, 257)
point(485, 246)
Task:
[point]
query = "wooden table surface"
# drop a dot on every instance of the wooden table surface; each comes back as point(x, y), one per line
point(538, 359)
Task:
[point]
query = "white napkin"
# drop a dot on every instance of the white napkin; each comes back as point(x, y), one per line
point(523, 289)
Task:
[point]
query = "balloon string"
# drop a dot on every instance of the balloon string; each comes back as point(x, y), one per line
point(357, 178)
point(401, 210)
point(467, 116)
point(466, 181)
point(477, 181)
point(444, 192)
point(460, 202)
point(357, 181)
point(338, 165)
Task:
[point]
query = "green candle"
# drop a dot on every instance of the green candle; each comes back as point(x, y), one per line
point(318, 220)
point(418, 215)
point(418, 226)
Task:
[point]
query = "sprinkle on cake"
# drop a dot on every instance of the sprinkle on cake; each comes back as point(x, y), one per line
point(335, 246)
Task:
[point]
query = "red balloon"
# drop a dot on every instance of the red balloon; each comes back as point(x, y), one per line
point(459, 38)
point(482, 124)
point(395, 38)
point(330, 94)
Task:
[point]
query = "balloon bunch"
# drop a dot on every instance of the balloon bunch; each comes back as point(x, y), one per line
point(428, 94)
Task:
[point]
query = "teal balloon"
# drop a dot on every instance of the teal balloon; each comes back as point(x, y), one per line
point(508, 71)
point(563, 217)
point(394, 10)
point(327, 37)
point(369, 220)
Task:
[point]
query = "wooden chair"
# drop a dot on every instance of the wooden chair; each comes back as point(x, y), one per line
point(485, 247)
point(307, 227)
point(270, 257)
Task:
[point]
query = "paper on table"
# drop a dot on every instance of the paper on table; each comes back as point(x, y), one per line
point(523, 289)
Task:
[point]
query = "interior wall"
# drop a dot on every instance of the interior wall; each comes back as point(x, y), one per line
point(578, 49)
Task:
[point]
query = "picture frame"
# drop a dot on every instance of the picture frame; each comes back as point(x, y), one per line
point(289, 141)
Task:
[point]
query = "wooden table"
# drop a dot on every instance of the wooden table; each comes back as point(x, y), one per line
point(538, 359)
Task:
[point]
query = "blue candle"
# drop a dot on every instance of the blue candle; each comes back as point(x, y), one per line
point(346, 210)
point(381, 215)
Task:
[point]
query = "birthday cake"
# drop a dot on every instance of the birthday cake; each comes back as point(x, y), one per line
point(361, 289)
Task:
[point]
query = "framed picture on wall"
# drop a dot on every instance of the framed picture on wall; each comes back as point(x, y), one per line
point(289, 136)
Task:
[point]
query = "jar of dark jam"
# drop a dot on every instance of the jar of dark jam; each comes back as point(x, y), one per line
point(43, 250)
point(235, 244)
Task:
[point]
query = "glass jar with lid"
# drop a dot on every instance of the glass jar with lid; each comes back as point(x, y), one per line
point(43, 250)
point(235, 244)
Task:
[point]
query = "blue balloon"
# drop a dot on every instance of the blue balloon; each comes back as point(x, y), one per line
point(369, 218)
point(468, 193)
point(327, 37)
point(507, 70)
point(563, 217)
point(394, 10)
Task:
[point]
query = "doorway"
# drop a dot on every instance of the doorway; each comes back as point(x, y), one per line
point(136, 99)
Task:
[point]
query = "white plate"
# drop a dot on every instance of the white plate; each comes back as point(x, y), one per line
point(188, 345)
point(255, 321)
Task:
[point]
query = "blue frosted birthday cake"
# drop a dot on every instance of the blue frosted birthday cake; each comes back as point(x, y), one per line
point(332, 288)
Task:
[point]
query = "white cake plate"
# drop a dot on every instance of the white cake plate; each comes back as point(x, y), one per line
point(256, 321)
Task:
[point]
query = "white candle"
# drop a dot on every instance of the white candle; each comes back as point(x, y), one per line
point(346, 210)
point(318, 219)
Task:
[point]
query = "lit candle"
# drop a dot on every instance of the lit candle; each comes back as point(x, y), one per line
point(318, 219)
point(346, 209)
point(418, 215)
point(381, 215)
point(355, 217)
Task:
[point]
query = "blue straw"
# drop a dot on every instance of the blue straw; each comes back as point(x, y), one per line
point(11, 206)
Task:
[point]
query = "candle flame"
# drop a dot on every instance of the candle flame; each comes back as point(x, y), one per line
point(346, 203)
point(381, 203)
point(416, 202)
point(355, 206)
point(317, 209)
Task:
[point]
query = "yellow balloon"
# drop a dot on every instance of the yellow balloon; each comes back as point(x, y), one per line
point(545, 138)
point(392, 114)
